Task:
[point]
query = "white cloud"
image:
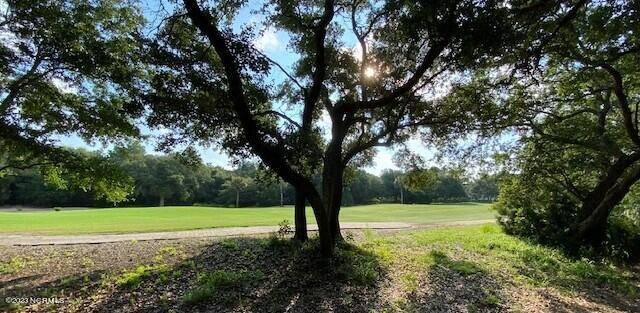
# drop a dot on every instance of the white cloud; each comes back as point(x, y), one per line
point(356, 52)
point(63, 86)
point(383, 160)
point(268, 41)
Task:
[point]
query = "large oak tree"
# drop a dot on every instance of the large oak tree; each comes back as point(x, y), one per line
point(579, 114)
point(212, 85)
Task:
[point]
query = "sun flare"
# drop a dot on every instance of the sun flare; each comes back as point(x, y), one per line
point(370, 72)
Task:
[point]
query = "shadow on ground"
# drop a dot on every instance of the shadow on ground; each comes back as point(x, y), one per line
point(275, 275)
point(240, 274)
point(258, 275)
point(454, 286)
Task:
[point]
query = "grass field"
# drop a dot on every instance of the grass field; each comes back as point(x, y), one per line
point(124, 220)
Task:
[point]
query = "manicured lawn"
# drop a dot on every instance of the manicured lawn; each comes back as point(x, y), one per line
point(122, 220)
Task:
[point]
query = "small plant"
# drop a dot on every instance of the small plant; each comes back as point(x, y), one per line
point(284, 229)
point(56, 209)
point(490, 299)
point(348, 237)
point(169, 250)
point(410, 282)
point(229, 244)
point(132, 279)
point(69, 281)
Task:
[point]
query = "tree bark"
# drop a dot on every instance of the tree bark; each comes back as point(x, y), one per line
point(282, 194)
point(592, 229)
point(332, 178)
point(300, 218)
point(327, 244)
point(237, 198)
point(597, 195)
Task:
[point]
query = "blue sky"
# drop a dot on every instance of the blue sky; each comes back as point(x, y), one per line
point(274, 44)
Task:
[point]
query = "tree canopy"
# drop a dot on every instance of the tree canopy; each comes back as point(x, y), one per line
point(578, 116)
point(67, 68)
point(211, 84)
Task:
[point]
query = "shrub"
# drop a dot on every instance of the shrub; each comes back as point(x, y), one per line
point(541, 211)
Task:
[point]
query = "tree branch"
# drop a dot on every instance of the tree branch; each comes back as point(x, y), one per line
point(14, 87)
point(274, 112)
point(284, 71)
point(269, 154)
point(405, 88)
point(320, 72)
point(24, 167)
point(618, 88)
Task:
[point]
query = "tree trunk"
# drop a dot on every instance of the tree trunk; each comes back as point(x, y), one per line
point(319, 211)
point(161, 200)
point(592, 229)
point(237, 198)
point(401, 195)
point(597, 195)
point(300, 218)
point(332, 191)
point(332, 177)
point(282, 195)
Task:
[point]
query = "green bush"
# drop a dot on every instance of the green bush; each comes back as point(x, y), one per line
point(539, 210)
point(623, 239)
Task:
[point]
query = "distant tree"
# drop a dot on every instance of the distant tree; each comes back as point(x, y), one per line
point(236, 185)
point(158, 178)
point(390, 189)
point(484, 187)
point(362, 188)
point(448, 188)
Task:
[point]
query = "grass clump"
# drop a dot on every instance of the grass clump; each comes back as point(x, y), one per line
point(221, 283)
point(410, 282)
point(14, 265)
point(490, 300)
point(357, 266)
point(132, 279)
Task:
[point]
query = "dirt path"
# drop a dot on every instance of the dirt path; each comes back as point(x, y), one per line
point(37, 240)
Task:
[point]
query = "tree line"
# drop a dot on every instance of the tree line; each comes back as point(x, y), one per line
point(174, 179)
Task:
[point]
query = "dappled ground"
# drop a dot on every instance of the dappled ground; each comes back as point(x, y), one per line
point(455, 269)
